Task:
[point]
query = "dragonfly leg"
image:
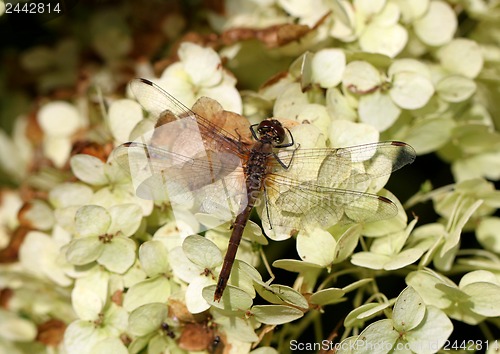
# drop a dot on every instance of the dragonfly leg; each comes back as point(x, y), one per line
point(252, 130)
point(284, 165)
point(267, 208)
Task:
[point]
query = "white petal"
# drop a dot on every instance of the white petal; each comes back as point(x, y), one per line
point(462, 56)
point(57, 149)
point(92, 220)
point(227, 96)
point(118, 255)
point(438, 25)
point(59, 119)
point(203, 65)
point(195, 303)
point(125, 218)
point(384, 40)
point(410, 90)
point(361, 77)
point(88, 169)
point(328, 65)
point(123, 116)
point(378, 110)
point(345, 133)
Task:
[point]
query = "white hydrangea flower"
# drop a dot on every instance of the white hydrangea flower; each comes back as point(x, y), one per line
point(200, 73)
point(375, 24)
point(40, 255)
point(59, 120)
point(93, 336)
point(249, 14)
point(104, 236)
point(409, 86)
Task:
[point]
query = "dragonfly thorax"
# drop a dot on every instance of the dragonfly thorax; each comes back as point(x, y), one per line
point(271, 131)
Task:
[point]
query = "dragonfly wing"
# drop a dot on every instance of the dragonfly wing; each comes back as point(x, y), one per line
point(353, 168)
point(186, 160)
point(290, 207)
point(209, 182)
point(165, 109)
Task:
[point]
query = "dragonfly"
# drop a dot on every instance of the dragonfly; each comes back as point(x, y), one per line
point(204, 161)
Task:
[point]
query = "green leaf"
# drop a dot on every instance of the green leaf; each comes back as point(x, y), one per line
point(409, 310)
point(427, 284)
point(307, 247)
point(484, 297)
point(243, 275)
point(431, 334)
point(404, 258)
point(202, 251)
point(233, 299)
point(237, 328)
point(275, 314)
point(294, 265)
point(147, 318)
point(327, 296)
point(379, 337)
point(356, 285)
point(347, 243)
point(370, 260)
point(363, 313)
point(148, 291)
point(281, 294)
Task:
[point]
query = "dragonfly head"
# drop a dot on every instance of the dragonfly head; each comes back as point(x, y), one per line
point(271, 130)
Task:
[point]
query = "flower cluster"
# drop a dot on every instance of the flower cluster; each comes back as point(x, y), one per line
point(88, 265)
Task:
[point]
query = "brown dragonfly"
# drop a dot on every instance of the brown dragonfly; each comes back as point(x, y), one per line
point(191, 160)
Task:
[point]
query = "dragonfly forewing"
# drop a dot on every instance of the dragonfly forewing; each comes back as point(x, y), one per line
point(180, 170)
